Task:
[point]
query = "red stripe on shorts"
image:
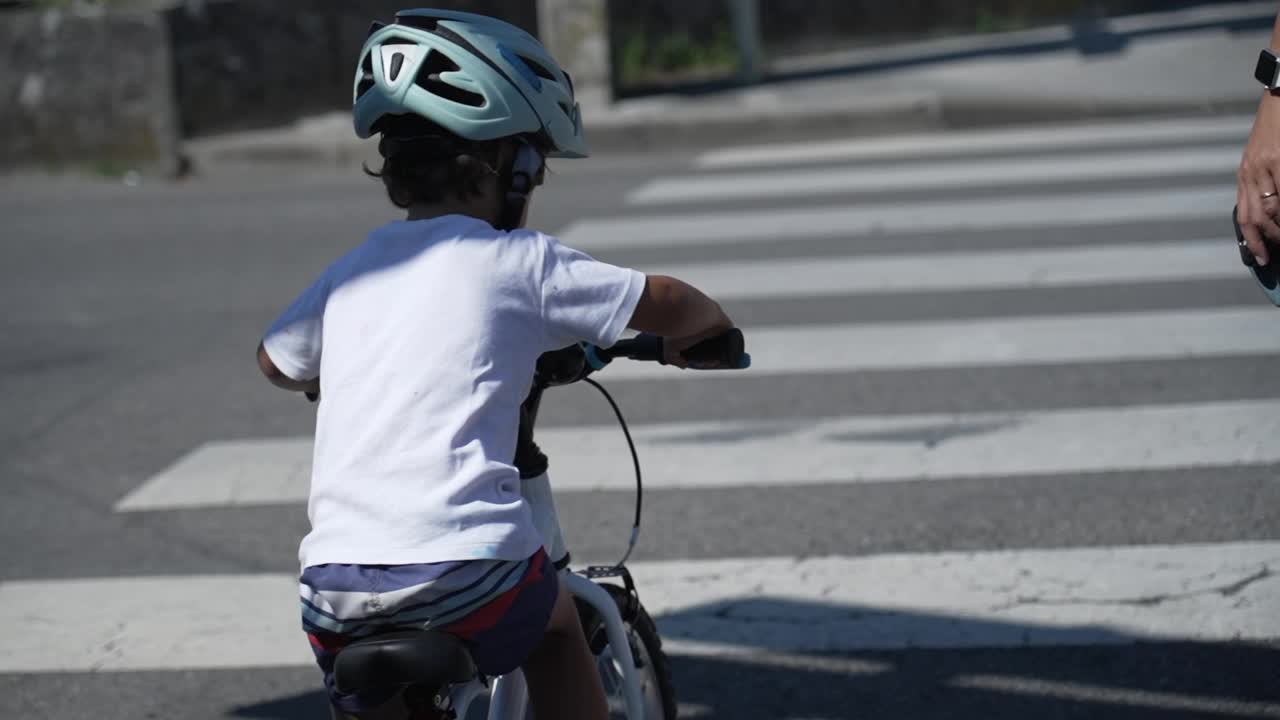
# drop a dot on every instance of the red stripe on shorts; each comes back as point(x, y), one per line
point(489, 615)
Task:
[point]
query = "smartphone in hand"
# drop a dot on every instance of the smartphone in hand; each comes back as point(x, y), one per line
point(1267, 276)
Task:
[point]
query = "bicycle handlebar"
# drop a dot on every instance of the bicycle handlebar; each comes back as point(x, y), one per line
point(725, 351)
point(571, 364)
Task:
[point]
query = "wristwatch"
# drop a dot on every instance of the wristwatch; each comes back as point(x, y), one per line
point(1268, 70)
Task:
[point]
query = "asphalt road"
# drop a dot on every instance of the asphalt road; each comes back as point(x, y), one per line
point(131, 315)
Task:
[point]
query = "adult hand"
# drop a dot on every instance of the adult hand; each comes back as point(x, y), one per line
point(1258, 180)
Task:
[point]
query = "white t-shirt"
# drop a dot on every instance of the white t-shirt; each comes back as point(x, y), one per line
point(425, 339)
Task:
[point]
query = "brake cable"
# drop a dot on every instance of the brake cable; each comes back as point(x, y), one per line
point(635, 460)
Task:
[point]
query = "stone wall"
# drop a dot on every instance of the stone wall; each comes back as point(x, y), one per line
point(120, 89)
point(79, 89)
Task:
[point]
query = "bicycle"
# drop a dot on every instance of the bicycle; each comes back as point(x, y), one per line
point(434, 669)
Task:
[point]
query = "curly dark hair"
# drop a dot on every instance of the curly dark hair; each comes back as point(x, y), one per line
point(424, 163)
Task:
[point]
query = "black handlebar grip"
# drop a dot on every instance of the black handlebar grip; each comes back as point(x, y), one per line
point(643, 347)
point(726, 350)
point(722, 352)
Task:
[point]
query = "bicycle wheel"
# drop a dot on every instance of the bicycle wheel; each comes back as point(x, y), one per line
point(646, 649)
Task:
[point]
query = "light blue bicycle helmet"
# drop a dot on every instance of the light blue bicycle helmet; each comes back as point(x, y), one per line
point(477, 77)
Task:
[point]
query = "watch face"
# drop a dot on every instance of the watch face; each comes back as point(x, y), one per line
point(1266, 70)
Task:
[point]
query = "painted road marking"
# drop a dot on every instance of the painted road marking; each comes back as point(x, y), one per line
point(952, 271)
point(1003, 172)
point(850, 221)
point(1233, 129)
point(796, 452)
point(1228, 591)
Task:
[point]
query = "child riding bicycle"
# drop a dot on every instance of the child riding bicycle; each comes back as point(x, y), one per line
point(422, 342)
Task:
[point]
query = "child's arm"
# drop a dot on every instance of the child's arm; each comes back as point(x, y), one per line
point(279, 379)
point(680, 312)
point(289, 353)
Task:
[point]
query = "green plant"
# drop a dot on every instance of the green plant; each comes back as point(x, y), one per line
point(991, 21)
point(643, 57)
point(631, 58)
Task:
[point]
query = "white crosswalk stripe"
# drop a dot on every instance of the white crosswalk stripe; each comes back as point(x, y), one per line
point(1232, 130)
point(741, 199)
point(1112, 166)
point(797, 452)
point(981, 270)
point(998, 342)
point(760, 226)
point(711, 607)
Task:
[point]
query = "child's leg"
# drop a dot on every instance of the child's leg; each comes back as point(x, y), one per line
point(561, 672)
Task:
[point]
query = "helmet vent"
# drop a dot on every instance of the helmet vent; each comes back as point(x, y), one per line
point(397, 62)
point(537, 69)
point(428, 79)
point(421, 22)
point(366, 76)
point(568, 111)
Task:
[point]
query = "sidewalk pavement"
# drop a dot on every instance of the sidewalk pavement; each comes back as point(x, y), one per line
point(1192, 61)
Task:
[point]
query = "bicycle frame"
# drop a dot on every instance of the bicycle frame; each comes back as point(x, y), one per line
point(508, 695)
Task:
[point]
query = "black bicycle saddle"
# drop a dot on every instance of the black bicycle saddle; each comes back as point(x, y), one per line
point(430, 660)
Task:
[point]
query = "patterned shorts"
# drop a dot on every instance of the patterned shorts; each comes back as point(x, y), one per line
point(499, 608)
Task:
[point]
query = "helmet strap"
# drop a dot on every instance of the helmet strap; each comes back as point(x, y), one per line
point(517, 184)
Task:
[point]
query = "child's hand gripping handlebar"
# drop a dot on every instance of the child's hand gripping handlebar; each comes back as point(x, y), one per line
point(725, 351)
point(561, 367)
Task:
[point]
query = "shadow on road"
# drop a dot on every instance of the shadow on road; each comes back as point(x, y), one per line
point(1049, 672)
